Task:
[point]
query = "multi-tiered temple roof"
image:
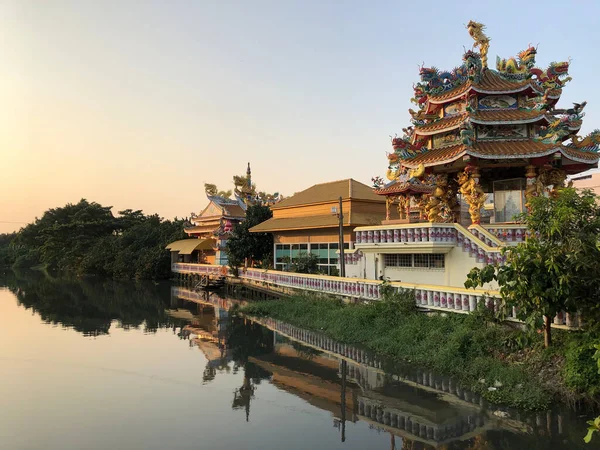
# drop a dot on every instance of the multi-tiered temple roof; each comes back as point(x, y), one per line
point(506, 113)
point(476, 122)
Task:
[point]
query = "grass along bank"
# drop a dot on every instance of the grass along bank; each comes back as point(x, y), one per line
point(506, 366)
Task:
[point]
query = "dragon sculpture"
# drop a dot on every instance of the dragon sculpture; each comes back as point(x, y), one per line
point(518, 68)
point(539, 103)
point(404, 148)
point(472, 193)
point(590, 143)
point(377, 182)
point(403, 206)
point(553, 76)
point(442, 202)
point(476, 31)
point(435, 82)
point(563, 126)
point(467, 133)
point(473, 65)
point(420, 96)
point(556, 132)
point(550, 176)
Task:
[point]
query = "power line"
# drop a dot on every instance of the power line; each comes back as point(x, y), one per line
point(5, 221)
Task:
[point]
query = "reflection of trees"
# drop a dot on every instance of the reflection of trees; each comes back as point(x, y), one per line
point(89, 306)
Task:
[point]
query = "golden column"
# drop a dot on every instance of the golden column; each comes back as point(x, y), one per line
point(472, 192)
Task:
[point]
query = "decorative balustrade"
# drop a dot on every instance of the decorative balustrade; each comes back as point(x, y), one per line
point(508, 233)
point(485, 236)
point(480, 245)
point(435, 297)
point(438, 233)
point(196, 268)
point(350, 287)
point(442, 298)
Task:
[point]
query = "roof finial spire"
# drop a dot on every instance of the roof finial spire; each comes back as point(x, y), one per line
point(249, 175)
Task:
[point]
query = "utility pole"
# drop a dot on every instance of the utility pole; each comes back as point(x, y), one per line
point(342, 256)
point(343, 399)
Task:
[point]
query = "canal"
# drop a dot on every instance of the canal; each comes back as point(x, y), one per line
point(100, 364)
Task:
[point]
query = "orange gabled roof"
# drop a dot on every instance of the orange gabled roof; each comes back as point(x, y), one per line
point(445, 124)
point(507, 115)
point(329, 192)
point(507, 149)
point(315, 222)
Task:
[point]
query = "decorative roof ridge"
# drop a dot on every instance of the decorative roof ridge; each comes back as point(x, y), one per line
point(460, 149)
point(450, 95)
point(455, 120)
point(221, 201)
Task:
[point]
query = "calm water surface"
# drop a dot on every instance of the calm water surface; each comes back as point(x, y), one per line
point(108, 365)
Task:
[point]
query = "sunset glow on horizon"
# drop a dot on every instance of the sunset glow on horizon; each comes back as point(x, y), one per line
point(138, 105)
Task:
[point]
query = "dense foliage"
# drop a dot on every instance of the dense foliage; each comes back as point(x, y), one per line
point(85, 238)
point(558, 267)
point(460, 346)
point(243, 245)
point(6, 251)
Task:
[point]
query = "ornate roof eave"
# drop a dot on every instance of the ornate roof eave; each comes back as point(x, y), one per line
point(456, 122)
point(452, 121)
point(570, 153)
point(460, 151)
point(542, 116)
point(403, 187)
point(469, 86)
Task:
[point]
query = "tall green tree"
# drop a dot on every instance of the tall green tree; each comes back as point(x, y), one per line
point(85, 238)
point(558, 267)
point(243, 245)
point(7, 250)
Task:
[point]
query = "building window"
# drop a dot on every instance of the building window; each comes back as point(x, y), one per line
point(421, 260)
point(509, 199)
point(326, 252)
point(417, 260)
point(281, 251)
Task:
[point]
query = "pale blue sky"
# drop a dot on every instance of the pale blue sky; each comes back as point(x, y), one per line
point(137, 104)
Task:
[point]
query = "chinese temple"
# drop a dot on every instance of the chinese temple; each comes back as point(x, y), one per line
point(480, 134)
point(483, 140)
point(210, 228)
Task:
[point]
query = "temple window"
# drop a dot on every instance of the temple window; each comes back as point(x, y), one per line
point(509, 199)
point(417, 260)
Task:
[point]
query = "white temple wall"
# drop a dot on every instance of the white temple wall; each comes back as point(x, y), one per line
point(458, 264)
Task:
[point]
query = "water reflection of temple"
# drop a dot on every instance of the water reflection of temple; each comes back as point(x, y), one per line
point(208, 317)
point(354, 392)
point(418, 409)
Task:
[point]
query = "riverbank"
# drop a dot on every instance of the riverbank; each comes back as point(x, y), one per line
point(504, 365)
